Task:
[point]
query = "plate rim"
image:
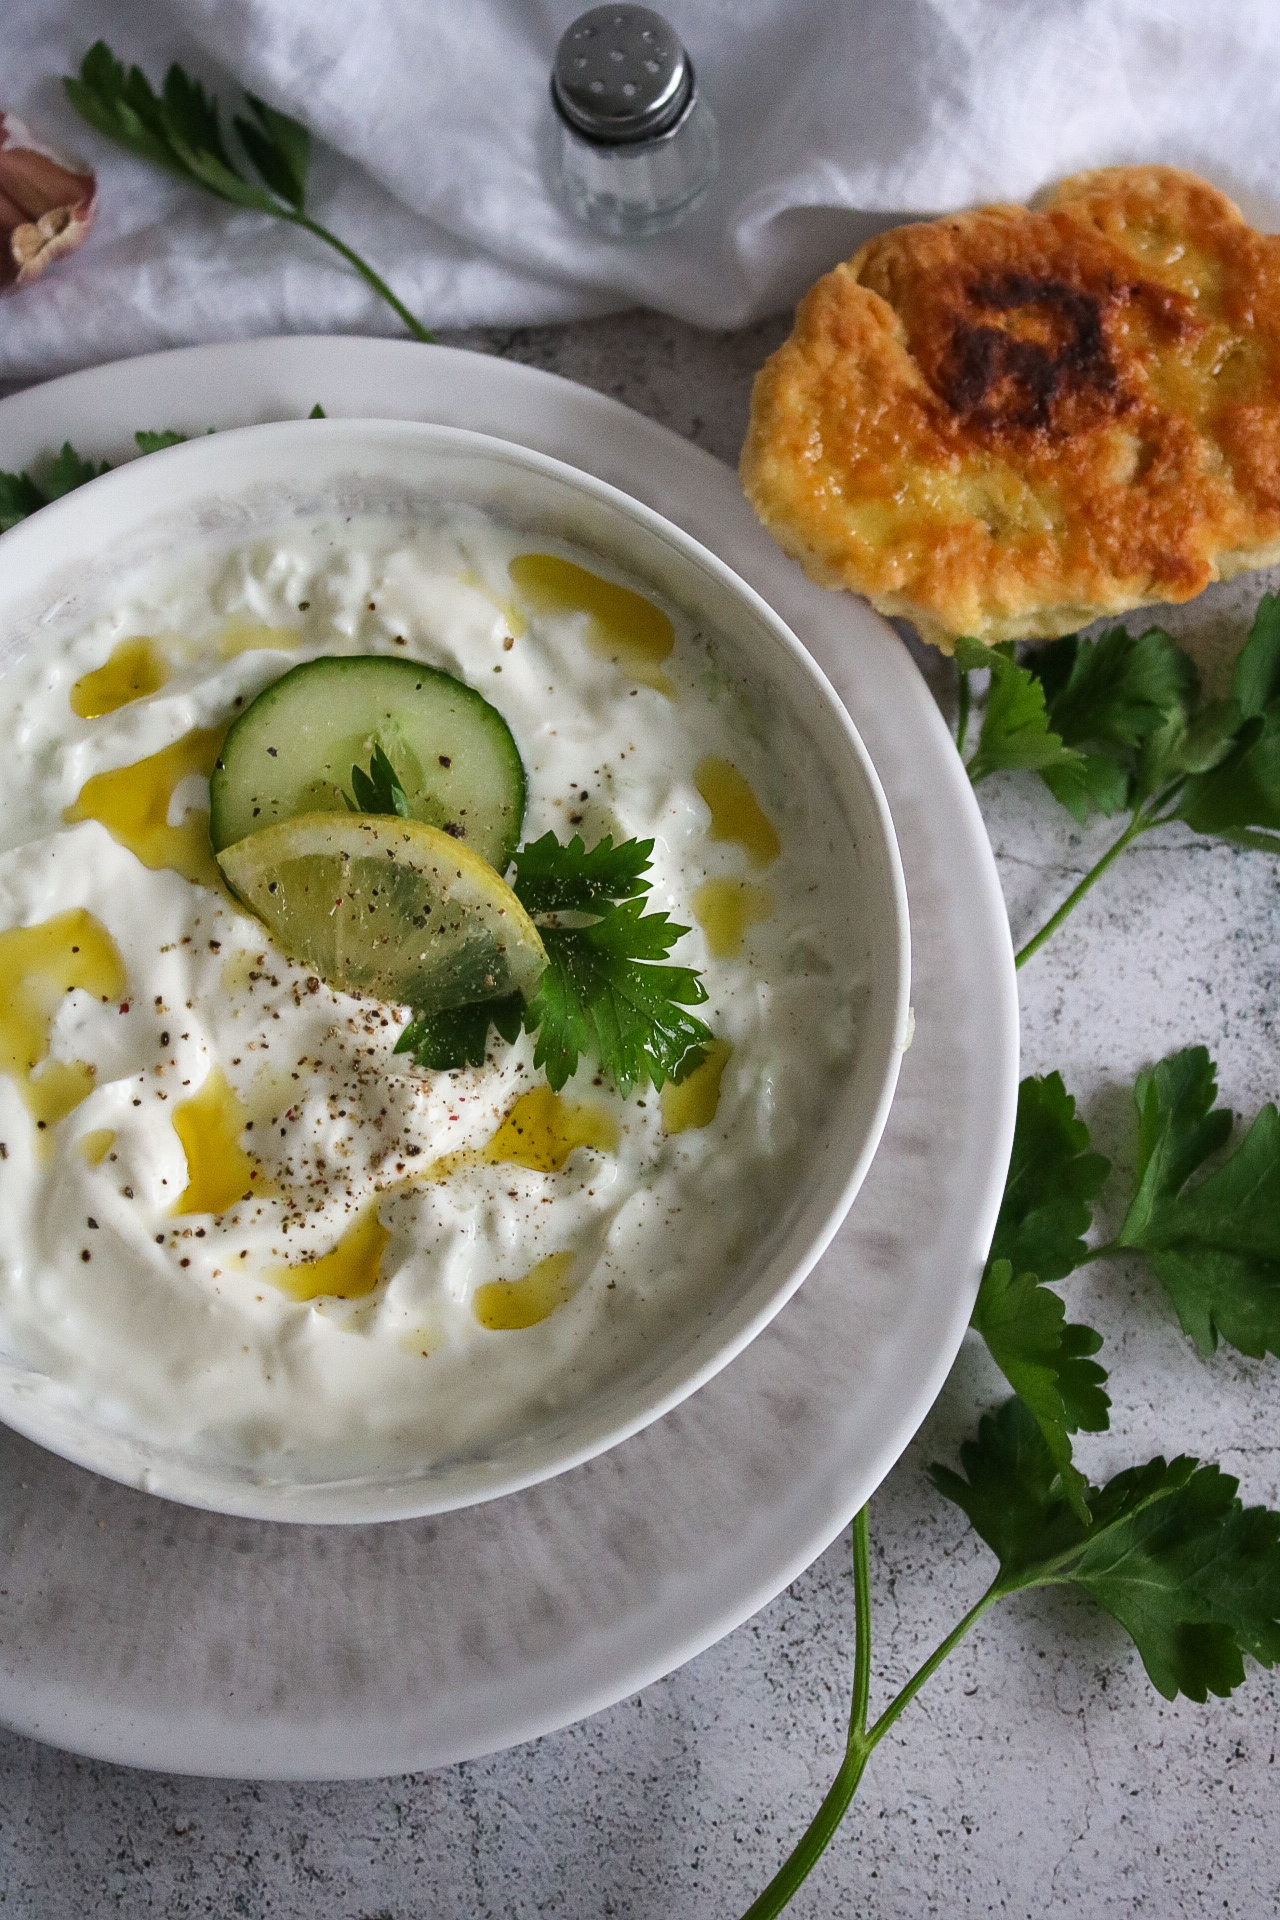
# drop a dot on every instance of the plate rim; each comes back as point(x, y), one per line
point(287, 1748)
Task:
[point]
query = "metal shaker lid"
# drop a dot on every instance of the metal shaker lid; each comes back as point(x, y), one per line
point(621, 75)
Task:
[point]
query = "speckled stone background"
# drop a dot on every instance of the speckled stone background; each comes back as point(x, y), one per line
point(1038, 1774)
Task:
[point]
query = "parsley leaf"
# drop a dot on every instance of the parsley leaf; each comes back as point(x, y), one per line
point(1117, 724)
point(67, 471)
point(19, 496)
point(602, 995)
point(1168, 1550)
point(179, 129)
point(1015, 727)
point(1053, 1179)
point(1046, 1363)
point(1215, 1245)
point(280, 149)
point(1255, 681)
point(1182, 745)
point(149, 442)
point(1120, 687)
point(552, 878)
point(459, 1037)
point(1093, 783)
point(1238, 798)
point(121, 106)
point(379, 790)
point(1106, 697)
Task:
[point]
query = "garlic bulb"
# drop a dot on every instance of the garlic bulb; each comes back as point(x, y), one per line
point(47, 203)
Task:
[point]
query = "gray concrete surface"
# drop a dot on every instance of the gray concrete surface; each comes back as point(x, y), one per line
point(1038, 1774)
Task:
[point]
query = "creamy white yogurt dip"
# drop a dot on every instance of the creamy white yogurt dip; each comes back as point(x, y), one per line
point(233, 1219)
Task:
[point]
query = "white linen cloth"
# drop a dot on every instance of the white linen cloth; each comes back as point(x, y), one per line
point(434, 130)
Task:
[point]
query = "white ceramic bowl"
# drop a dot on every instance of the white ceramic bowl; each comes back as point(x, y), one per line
point(59, 566)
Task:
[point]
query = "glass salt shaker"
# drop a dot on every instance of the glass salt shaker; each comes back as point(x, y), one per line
point(638, 146)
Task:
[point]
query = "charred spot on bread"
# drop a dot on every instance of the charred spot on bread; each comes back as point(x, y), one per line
point(1050, 346)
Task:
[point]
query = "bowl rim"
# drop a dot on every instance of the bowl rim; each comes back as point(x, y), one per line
point(29, 550)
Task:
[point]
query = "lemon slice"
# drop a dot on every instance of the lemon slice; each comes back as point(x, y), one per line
point(388, 907)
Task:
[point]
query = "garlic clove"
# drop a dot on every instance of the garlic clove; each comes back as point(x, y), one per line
point(47, 204)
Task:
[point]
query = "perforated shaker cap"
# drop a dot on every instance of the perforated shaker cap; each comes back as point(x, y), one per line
point(621, 75)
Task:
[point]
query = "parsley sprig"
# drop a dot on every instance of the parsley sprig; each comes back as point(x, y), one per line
point(605, 995)
point(1213, 1237)
point(379, 790)
point(1208, 1224)
point(1117, 725)
point(1166, 1548)
point(180, 130)
point(1047, 1209)
point(21, 494)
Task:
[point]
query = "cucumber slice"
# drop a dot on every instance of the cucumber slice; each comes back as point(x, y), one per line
point(292, 751)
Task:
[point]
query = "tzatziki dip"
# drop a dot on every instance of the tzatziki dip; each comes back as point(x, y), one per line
point(235, 1219)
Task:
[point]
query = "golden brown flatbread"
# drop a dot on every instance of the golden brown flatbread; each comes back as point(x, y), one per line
point(1005, 423)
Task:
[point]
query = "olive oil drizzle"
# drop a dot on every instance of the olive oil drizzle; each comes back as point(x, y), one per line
point(349, 1271)
point(692, 1103)
point(133, 802)
point(724, 909)
point(736, 814)
point(623, 626)
point(133, 670)
point(219, 1171)
point(540, 1132)
point(509, 1306)
point(39, 966)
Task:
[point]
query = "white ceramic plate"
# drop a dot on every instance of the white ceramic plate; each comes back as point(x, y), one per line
point(61, 566)
point(161, 1636)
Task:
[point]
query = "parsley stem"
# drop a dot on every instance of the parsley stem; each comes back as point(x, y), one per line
point(798, 1864)
point(365, 271)
point(861, 1744)
point(962, 712)
point(800, 1861)
point(1139, 824)
point(929, 1668)
point(861, 1625)
point(1149, 814)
